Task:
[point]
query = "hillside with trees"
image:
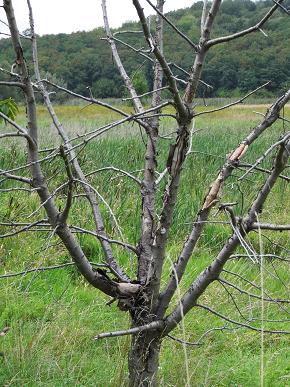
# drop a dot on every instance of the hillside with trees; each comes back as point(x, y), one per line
point(83, 59)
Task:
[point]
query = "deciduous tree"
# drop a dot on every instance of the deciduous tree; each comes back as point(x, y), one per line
point(150, 297)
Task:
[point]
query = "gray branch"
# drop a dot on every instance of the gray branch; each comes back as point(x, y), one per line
point(155, 325)
point(247, 31)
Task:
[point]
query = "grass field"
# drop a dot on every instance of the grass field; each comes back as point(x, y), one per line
point(54, 315)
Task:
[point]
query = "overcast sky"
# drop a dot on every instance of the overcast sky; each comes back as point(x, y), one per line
point(53, 16)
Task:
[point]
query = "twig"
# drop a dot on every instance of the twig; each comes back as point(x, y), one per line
point(144, 94)
point(64, 214)
point(105, 238)
point(88, 99)
point(193, 45)
point(182, 341)
point(11, 83)
point(241, 324)
point(85, 183)
point(160, 57)
point(265, 154)
point(275, 300)
point(24, 229)
point(53, 267)
point(234, 256)
point(247, 31)
point(232, 103)
point(50, 197)
point(247, 165)
point(138, 181)
point(128, 82)
point(282, 7)
point(198, 342)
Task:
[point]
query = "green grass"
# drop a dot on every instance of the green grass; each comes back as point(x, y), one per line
point(54, 315)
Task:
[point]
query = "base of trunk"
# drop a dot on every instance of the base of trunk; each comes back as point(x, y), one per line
point(144, 359)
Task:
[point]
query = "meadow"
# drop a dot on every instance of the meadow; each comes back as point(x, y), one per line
point(54, 315)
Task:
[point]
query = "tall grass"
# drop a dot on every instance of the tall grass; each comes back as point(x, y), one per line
point(54, 315)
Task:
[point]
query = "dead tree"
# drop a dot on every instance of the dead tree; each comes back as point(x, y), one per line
point(152, 307)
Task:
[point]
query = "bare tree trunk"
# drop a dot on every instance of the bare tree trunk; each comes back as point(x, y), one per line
point(143, 359)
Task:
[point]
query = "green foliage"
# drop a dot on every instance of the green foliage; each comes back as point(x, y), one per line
point(9, 108)
point(105, 88)
point(139, 82)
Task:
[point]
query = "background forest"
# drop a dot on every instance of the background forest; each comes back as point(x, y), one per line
point(82, 59)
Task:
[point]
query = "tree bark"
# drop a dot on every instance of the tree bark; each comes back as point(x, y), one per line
point(143, 359)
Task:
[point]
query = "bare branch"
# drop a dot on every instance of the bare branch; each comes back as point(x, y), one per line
point(127, 32)
point(212, 198)
point(88, 99)
point(247, 165)
point(145, 94)
point(267, 299)
point(237, 256)
point(198, 342)
point(270, 226)
point(159, 56)
point(47, 268)
point(136, 50)
point(95, 278)
point(279, 165)
point(64, 214)
point(86, 184)
point(137, 103)
point(139, 182)
point(102, 237)
point(21, 130)
point(212, 272)
point(155, 325)
point(12, 134)
point(265, 154)
point(17, 189)
point(13, 84)
point(23, 229)
point(203, 16)
point(48, 199)
point(282, 7)
point(28, 165)
point(232, 103)
point(91, 197)
point(241, 324)
point(247, 31)
point(180, 33)
point(184, 342)
point(195, 74)
point(11, 73)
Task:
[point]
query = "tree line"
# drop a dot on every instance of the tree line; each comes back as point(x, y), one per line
point(83, 60)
